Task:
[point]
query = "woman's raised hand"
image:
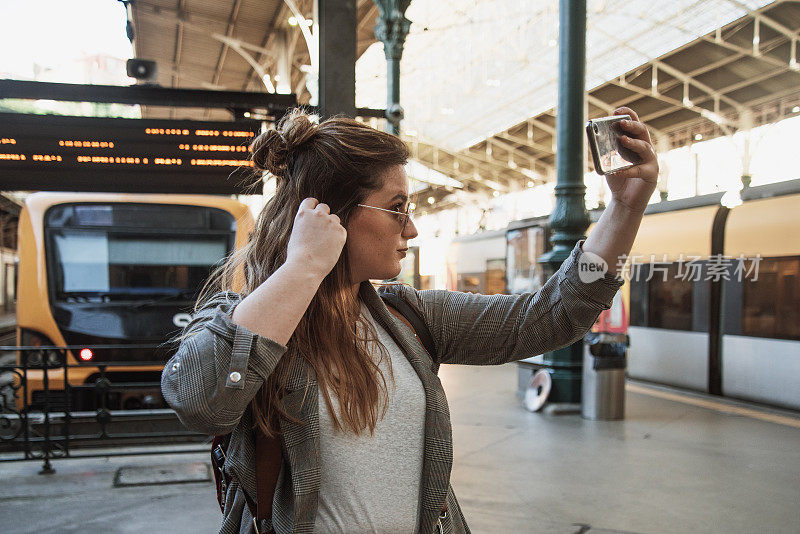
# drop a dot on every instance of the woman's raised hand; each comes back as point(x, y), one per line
point(633, 187)
point(275, 308)
point(317, 238)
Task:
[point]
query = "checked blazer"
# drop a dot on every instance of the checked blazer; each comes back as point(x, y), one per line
point(220, 366)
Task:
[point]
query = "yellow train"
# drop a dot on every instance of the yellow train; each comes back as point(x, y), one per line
point(115, 270)
point(712, 302)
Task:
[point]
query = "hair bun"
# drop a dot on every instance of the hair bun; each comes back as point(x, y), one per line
point(269, 153)
point(273, 149)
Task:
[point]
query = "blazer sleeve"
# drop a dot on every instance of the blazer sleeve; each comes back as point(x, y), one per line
point(218, 368)
point(494, 329)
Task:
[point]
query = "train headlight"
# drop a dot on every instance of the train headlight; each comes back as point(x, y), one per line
point(38, 357)
point(32, 338)
point(86, 355)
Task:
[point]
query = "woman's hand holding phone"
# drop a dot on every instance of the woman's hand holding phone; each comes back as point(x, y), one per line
point(317, 239)
point(633, 187)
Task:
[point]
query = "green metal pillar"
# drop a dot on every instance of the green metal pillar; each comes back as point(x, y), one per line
point(391, 29)
point(569, 220)
point(337, 56)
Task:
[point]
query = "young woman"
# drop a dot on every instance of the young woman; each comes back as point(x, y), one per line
point(307, 351)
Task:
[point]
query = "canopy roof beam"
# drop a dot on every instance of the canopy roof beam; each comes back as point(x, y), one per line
point(745, 51)
point(514, 151)
point(767, 21)
point(526, 142)
point(468, 167)
point(234, 15)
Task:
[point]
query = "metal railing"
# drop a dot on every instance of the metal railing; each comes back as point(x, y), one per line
point(45, 417)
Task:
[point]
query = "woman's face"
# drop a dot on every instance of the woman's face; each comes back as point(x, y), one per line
point(376, 240)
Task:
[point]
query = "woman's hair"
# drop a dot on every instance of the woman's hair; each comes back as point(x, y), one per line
point(339, 162)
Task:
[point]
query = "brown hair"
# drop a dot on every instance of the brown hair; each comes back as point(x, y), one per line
point(338, 162)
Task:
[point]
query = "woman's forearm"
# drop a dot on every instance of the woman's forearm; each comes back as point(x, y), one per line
point(275, 308)
point(613, 235)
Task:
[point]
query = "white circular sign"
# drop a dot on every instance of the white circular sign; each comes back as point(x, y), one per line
point(535, 399)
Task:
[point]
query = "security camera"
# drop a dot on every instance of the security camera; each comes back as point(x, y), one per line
point(141, 69)
point(395, 114)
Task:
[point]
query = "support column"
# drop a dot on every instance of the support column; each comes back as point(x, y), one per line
point(284, 63)
point(337, 56)
point(391, 29)
point(569, 219)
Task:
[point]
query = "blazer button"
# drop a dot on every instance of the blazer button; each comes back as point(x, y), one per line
point(176, 366)
point(235, 377)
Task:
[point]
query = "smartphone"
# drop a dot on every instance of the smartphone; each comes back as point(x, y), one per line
point(607, 151)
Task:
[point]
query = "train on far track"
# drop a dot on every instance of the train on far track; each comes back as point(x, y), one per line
point(711, 300)
point(113, 277)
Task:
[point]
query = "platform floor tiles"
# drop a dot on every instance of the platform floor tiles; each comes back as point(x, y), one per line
point(678, 464)
point(688, 465)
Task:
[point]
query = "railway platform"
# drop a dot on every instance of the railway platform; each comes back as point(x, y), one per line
point(678, 463)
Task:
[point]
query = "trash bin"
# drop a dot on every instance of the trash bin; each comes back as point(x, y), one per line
point(603, 388)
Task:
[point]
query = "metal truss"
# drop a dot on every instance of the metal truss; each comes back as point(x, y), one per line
point(276, 63)
point(232, 17)
point(730, 121)
point(478, 171)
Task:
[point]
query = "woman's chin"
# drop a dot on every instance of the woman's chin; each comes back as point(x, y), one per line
point(389, 273)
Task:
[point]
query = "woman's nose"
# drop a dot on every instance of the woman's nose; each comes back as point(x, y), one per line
point(409, 230)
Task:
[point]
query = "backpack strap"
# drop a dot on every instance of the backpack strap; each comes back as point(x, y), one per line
point(268, 468)
point(403, 311)
point(218, 447)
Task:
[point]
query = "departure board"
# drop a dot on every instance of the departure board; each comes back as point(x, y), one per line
point(60, 153)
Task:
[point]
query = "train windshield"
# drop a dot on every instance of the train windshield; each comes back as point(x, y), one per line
point(106, 262)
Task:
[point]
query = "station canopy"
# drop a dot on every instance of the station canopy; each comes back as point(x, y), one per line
point(479, 79)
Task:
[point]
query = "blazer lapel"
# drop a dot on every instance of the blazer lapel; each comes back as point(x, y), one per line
point(438, 452)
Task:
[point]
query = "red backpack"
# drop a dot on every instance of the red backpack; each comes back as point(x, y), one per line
point(268, 450)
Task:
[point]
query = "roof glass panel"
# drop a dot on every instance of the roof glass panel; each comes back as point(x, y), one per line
point(474, 68)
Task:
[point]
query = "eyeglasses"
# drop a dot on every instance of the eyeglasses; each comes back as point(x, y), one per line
point(402, 216)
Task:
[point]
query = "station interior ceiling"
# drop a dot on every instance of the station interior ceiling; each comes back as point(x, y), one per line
point(737, 76)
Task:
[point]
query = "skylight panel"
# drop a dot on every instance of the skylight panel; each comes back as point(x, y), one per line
point(490, 64)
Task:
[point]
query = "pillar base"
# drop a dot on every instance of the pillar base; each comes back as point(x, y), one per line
point(567, 385)
point(565, 366)
point(562, 408)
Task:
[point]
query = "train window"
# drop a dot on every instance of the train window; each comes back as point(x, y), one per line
point(104, 265)
point(771, 302)
point(495, 276)
point(638, 295)
point(523, 248)
point(667, 295)
point(670, 299)
point(140, 216)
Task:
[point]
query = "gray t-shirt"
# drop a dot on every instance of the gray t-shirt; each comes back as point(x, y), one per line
point(371, 483)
